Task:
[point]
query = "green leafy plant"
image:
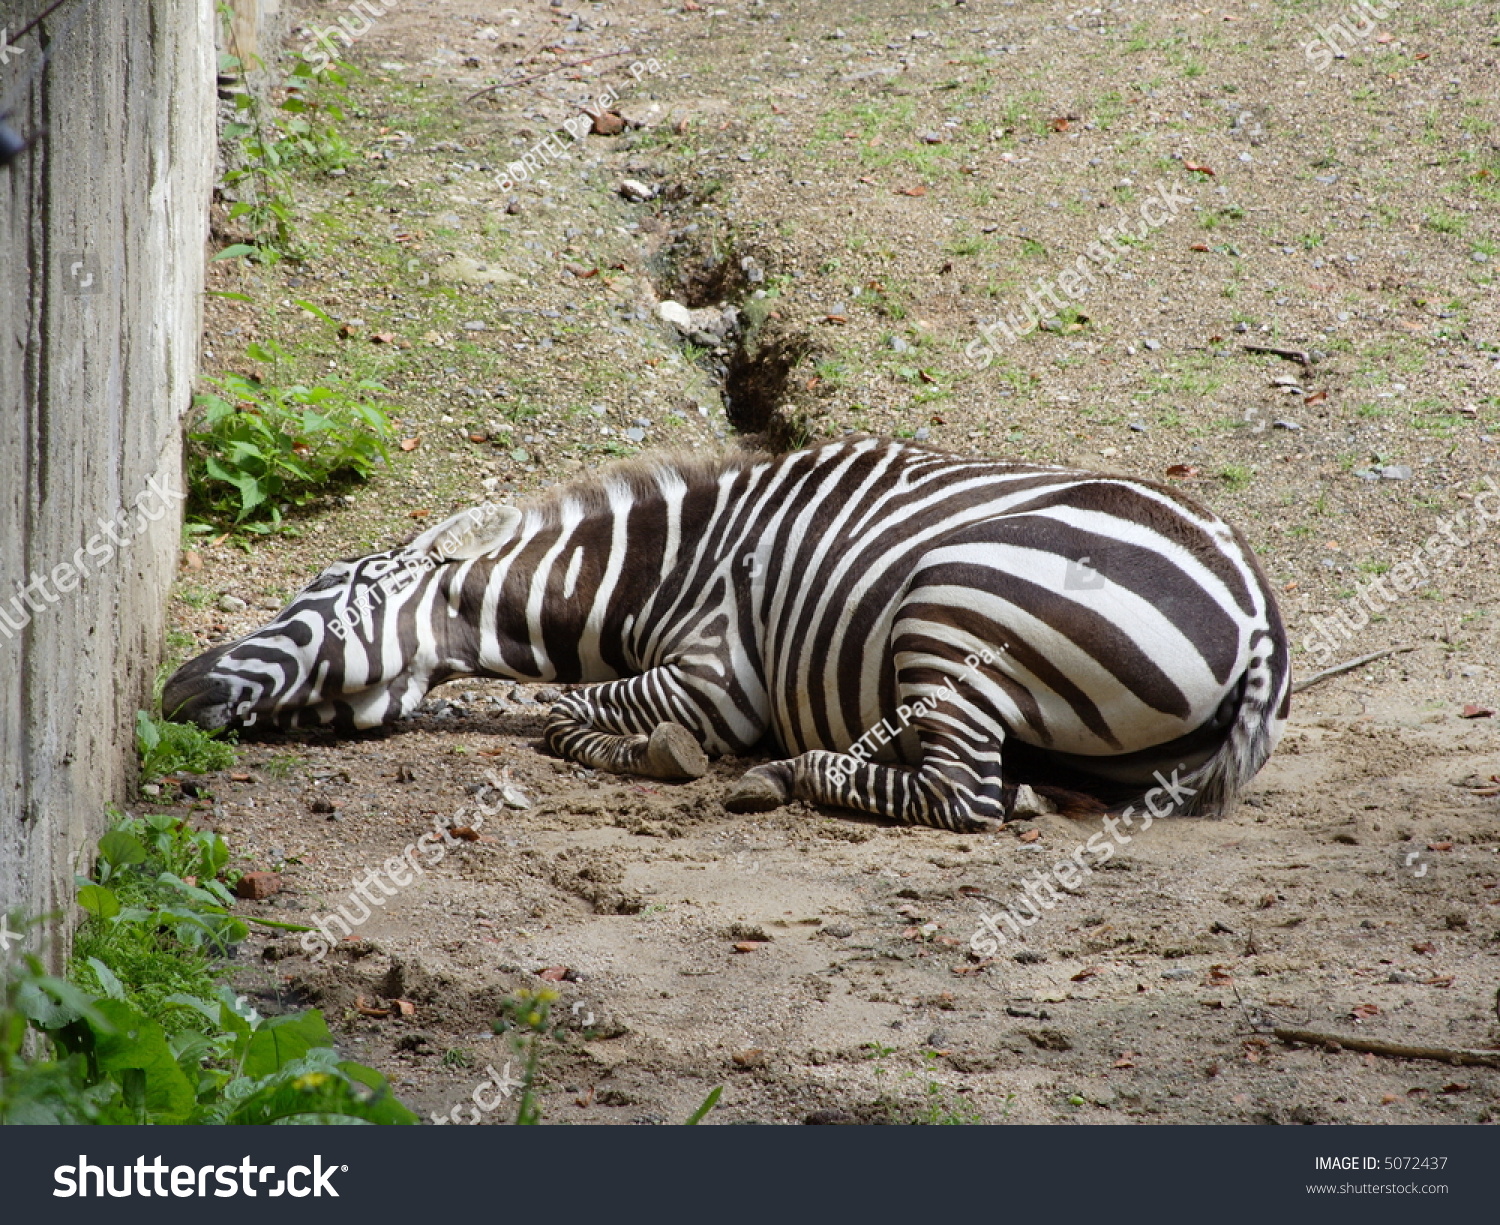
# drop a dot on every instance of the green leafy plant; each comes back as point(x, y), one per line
point(172, 748)
point(258, 447)
point(526, 1017)
point(141, 1032)
point(301, 130)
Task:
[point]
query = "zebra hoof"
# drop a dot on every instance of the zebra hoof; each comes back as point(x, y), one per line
point(674, 752)
point(758, 791)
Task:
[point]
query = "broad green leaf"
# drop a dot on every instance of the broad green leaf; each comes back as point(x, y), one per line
point(283, 1039)
point(234, 252)
point(136, 1043)
point(119, 848)
point(112, 987)
point(99, 901)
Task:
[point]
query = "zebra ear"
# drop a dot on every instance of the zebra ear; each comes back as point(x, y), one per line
point(468, 534)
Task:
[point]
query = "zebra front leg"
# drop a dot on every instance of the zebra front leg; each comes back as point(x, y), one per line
point(656, 724)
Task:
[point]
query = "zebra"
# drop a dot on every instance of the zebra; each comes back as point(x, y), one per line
point(919, 632)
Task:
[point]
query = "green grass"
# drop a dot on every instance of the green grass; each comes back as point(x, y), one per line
point(173, 748)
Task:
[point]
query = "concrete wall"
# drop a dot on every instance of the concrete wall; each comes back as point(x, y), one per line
point(102, 233)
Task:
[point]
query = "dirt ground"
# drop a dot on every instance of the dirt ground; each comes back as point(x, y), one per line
point(866, 184)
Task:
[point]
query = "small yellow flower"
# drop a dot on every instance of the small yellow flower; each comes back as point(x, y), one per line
point(311, 1081)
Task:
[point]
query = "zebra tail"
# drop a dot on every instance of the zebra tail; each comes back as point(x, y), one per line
point(1250, 740)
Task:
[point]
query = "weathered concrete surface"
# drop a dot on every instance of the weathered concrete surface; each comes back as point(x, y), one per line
point(102, 235)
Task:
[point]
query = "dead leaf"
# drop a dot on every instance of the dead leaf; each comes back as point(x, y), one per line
point(553, 974)
point(1199, 246)
point(1363, 1012)
point(918, 190)
point(1060, 124)
point(749, 946)
point(383, 338)
point(1385, 36)
point(367, 1009)
point(1455, 1087)
point(406, 1008)
point(1031, 835)
point(419, 514)
point(1424, 946)
point(607, 123)
point(1440, 846)
point(466, 832)
point(1440, 980)
point(241, 778)
point(755, 1057)
point(412, 443)
point(1218, 976)
point(1181, 471)
point(1127, 1060)
point(1387, 1098)
point(1197, 167)
point(973, 969)
point(1471, 711)
point(1317, 397)
point(1084, 975)
point(479, 437)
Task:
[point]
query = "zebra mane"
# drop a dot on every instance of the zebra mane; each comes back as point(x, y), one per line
point(639, 476)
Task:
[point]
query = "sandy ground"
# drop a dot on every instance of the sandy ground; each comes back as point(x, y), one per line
point(888, 180)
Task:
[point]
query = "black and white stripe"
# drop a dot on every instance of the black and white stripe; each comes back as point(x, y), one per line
point(960, 623)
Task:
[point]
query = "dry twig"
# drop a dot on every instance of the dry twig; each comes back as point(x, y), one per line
point(1338, 669)
point(1397, 1050)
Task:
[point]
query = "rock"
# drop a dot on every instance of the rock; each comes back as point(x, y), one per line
point(475, 325)
point(636, 191)
point(466, 270)
point(548, 694)
point(1396, 472)
point(676, 314)
point(635, 434)
point(257, 885)
point(839, 931)
point(1285, 425)
point(1153, 345)
point(607, 123)
point(1181, 972)
point(232, 604)
point(514, 797)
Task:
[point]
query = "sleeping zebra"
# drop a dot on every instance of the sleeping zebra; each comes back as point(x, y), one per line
point(919, 632)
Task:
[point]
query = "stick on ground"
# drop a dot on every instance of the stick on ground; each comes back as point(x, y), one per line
point(1339, 669)
point(1292, 355)
point(1397, 1050)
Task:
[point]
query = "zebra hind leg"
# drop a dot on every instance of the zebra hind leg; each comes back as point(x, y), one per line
point(938, 793)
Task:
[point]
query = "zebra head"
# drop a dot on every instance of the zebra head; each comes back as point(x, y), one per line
point(343, 651)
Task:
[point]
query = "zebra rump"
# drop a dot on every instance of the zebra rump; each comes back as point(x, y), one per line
point(917, 633)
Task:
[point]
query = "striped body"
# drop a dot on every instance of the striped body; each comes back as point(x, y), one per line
point(933, 613)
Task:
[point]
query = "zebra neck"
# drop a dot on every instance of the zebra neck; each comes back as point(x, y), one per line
point(564, 603)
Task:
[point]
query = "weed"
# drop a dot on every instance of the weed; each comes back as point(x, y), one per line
point(172, 748)
point(139, 1032)
point(259, 447)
